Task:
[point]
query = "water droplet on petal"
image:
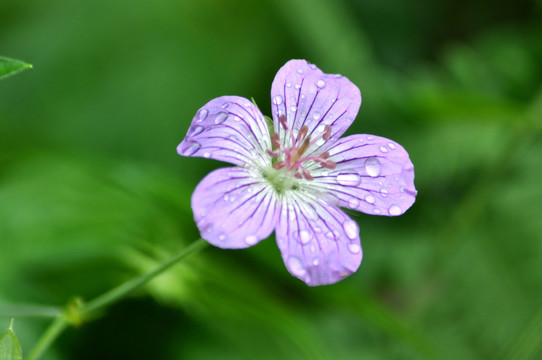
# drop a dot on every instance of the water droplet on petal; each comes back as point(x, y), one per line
point(195, 130)
point(351, 229)
point(372, 167)
point(226, 197)
point(377, 211)
point(313, 248)
point(225, 105)
point(277, 100)
point(369, 138)
point(395, 210)
point(305, 236)
point(391, 146)
point(354, 248)
point(288, 85)
point(370, 199)
point(296, 266)
point(321, 84)
point(316, 261)
point(316, 115)
point(190, 148)
point(298, 86)
point(312, 66)
point(384, 149)
point(206, 155)
point(384, 192)
point(300, 71)
point(202, 114)
point(353, 203)
point(251, 240)
point(320, 142)
point(221, 117)
point(221, 237)
point(349, 179)
point(293, 108)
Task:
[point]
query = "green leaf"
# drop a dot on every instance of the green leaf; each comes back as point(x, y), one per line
point(10, 349)
point(10, 66)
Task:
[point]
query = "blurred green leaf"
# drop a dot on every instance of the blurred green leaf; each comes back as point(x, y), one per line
point(10, 349)
point(10, 66)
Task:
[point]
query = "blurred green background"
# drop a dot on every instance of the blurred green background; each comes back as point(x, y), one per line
point(93, 193)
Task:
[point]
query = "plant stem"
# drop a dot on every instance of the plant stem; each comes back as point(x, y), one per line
point(53, 331)
point(117, 293)
point(73, 315)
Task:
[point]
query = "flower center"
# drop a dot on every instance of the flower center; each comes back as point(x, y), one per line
point(291, 158)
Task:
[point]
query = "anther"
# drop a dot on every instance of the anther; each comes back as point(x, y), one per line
point(282, 119)
point(275, 141)
point(272, 154)
point(278, 165)
point(325, 155)
point(302, 133)
point(327, 132)
point(329, 164)
point(306, 174)
point(305, 145)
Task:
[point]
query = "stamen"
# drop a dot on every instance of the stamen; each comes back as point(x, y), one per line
point(327, 133)
point(282, 119)
point(278, 165)
point(275, 141)
point(328, 164)
point(302, 133)
point(305, 146)
point(325, 155)
point(306, 174)
point(272, 154)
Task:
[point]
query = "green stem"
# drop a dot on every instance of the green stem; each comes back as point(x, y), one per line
point(119, 292)
point(52, 332)
point(72, 315)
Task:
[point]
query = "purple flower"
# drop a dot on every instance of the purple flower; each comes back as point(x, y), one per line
point(295, 179)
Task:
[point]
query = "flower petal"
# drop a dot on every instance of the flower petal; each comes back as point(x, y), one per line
point(319, 243)
point(373, 175)
point(234, 208)
point(230, 129)
point(307, 96)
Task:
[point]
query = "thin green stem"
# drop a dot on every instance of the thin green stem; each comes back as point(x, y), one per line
point(119, 292)
point(75, 311)
point(48, 337)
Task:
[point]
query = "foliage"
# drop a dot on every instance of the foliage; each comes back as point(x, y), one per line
point(92, 192)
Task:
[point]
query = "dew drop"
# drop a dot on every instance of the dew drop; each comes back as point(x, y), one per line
point(225, 105)
point(221, 117)
point(300, 71)
point(349, 179)
point(221, 237)
point(384, 149)
point(370, 199)
point(316, 115)
point(377, 211)
point(372, 167)
point(277, 100)
point(370, 138)
point(206, 155)
point(190, 148)
point(195, 130)
point(296, 266)
point(384, 192)
point(298, 86)
point(321, 84)
point(312, 66)
point(288, 85)
point(320, 142)
point(202, 114)
point(226, 197)
point(305, 236)
point(316, 261)
point(354, 248)
point(293, 108)
point(391, 146)
point(251, 240)
point(351, 229)
point(313, 248)
point(353, 203)
point(395, 210)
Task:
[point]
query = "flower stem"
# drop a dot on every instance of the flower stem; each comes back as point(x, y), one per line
point(74, 313)
point(53, 331)
point(120, 291)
